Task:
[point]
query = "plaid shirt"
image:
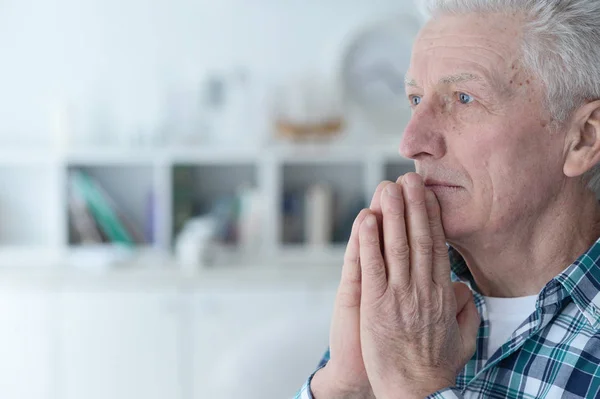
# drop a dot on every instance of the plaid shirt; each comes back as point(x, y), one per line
point(554, 353)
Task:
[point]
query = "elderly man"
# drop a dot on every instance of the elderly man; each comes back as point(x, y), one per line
point(505, 135)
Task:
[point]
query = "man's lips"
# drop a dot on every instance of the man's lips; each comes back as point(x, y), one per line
point(437, 183)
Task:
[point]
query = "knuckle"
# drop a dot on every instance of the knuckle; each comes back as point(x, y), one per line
point(438, 235)
point(426, 303)
point(424, 245)
point(416, 201)
point(350, 259)
point(370, 240)
point(394, 209)
point(440, 251)
point(371, 264)
point(400, 252)
point(348, 297)
point(372, 267)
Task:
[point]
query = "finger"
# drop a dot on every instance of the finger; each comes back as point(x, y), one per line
point(441, 262)
point(376, 205)
point(468, 319)
point(376, 201)
point(462, 294)
point(348, 294)
point(374, 280)
point(419, 235)
point(396, 249)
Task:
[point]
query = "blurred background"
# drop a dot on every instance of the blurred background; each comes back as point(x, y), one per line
point(177, 183)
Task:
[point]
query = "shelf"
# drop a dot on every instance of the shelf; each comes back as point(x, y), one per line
point(145, 185)
point(209, 189)
point(213, 155)
point(25, 158)
point(307, 256)
point(149, 156)
point(347, 184)
point(106, 256)
point(309, 153)
point(128, 190)
point(29, 256)
point(100, 258)
point(110, 157)
point(327, 154)
point(28, 205)
point(282, 153)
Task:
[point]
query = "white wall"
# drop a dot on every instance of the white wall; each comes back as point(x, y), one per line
point(122, 56)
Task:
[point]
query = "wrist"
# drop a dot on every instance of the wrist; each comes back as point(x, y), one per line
point(414, 390)
point(326, 385)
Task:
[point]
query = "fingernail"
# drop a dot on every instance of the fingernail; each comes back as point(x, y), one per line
point(371, 221)
point(413, 180)
point(393, 190)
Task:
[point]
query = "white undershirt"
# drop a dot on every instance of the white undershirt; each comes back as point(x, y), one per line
point(505, 315)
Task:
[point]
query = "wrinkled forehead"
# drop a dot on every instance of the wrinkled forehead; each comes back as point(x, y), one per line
point(488, 46)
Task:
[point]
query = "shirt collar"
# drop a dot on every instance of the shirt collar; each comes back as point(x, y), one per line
point(580, 281)
point(459, 268)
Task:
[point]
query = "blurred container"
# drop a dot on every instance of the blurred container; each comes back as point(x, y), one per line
point(250, 219)
point(319, 216)
point(195, 246)
point(308, 108)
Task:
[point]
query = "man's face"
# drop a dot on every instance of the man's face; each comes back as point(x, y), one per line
point(479, 124)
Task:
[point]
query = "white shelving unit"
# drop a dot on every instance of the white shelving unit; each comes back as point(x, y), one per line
point(33, 190)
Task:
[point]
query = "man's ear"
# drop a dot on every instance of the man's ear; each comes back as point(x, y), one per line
point(583, 140)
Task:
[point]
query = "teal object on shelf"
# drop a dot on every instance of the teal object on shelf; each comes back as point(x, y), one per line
point(105, 216)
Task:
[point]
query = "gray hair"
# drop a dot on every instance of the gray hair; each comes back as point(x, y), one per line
point(561, 45)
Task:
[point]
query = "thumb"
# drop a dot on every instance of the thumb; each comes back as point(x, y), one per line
point(345, 321)
point(349, 290)
point(467, 317)
point(462, 294)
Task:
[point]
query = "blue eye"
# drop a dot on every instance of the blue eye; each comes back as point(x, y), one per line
point(465, 98)
point(415, 100)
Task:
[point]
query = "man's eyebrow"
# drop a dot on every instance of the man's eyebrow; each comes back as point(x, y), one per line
point(461, 77)
point(408, 81)
point(450, 79)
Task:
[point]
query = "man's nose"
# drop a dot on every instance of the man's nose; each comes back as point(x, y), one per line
point(422, 138)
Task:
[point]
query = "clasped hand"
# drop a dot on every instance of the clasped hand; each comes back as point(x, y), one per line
point(400, 328)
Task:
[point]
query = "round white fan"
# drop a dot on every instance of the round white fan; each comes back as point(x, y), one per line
point(373, 69)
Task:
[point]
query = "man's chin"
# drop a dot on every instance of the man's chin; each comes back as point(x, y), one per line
point(455, 225)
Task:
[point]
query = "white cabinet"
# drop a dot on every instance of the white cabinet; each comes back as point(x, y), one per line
point(211, 338)
point(120, 345)
point(257, 342)
point(26, 345)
